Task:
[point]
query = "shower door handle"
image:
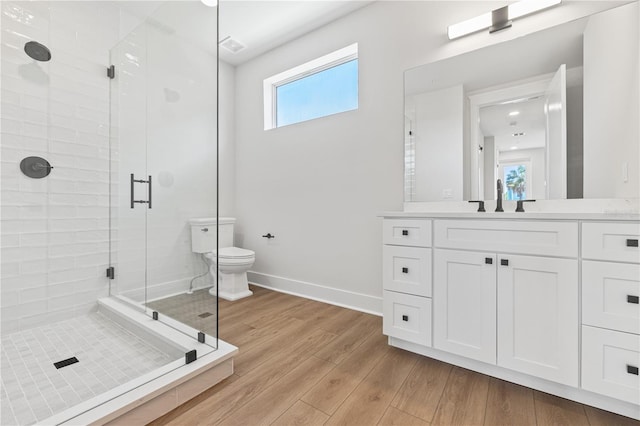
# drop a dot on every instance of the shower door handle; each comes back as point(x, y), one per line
point(149, 191)
point(148, 182)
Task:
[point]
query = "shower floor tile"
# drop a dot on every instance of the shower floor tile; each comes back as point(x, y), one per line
point(197, 310)
point(109, 355)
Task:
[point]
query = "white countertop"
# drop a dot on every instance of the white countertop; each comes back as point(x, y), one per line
point(514, 216)
point(578, 209)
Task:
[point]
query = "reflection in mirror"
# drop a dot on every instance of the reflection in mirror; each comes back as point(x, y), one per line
point(498, 113)
point(525, 124)
point(512, 148)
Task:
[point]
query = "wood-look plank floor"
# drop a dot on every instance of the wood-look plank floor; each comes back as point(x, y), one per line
point(303, 362)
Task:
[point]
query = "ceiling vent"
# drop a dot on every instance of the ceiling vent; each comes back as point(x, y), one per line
point(233, 46)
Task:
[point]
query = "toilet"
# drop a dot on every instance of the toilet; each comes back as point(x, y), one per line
point(234, 262)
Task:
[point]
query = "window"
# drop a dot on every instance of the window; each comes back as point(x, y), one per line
point(324, 86)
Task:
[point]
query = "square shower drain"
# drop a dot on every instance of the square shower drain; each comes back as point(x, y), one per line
point(205, 314)
point(65, 362)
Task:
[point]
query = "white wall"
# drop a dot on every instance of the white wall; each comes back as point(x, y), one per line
point(438, 144)
point(319, 185)
point(490, 153)
point(611, 74)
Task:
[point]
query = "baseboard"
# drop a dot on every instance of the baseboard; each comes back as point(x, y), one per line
point(346, 299)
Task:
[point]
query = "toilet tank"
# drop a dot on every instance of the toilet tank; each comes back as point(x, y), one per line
point(203, 233)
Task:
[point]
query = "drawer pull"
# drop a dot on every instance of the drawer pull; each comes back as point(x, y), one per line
point(488, 260)
point(405, 270)
point(504, 262)
point(632, 370)
point(632, 242)
point(633, 299)
point(406, 318)
point(405, 232)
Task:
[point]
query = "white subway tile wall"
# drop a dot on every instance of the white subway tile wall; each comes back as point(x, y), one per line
point(55, 231)
point(158, 117)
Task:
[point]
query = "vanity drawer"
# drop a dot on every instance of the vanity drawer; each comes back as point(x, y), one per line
point(407, 232)
point(611, 241)
point(610, 293)
point(523, 237)
point(407, 317)
point(407, 270)
point(610, 362)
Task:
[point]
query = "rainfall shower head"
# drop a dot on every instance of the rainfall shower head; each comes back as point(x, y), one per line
point(37, 51)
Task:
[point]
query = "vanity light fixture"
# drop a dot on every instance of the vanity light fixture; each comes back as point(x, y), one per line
point(498, 19)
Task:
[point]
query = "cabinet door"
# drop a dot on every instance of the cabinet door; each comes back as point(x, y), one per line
point(538, 317)
point(464, 303)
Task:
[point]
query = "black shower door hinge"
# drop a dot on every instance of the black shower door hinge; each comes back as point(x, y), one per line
point(111, 72)
point(111, 272)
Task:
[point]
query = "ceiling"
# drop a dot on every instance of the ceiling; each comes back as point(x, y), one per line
point(263, 25)
point(530, 121)
point(258, 25)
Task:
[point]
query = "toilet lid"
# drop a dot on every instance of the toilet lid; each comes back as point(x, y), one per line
point(234, 253)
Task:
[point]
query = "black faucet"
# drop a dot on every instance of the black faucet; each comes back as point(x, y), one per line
point(480, 205)
point(499, 200)
point(520, 205)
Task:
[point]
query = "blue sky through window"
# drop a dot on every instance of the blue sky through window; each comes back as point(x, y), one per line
point(324, 93)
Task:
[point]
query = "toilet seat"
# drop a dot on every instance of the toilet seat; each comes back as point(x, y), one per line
point(234, 253)
point(232, 256)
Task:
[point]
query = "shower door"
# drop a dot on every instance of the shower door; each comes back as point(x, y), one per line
point(164, 130)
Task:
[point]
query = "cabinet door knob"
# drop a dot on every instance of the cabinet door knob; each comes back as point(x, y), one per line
point(406, 318)
point(631, 242)
point(405, 232)
point(504, 262)
point(633, 299)
point(632, 370)
point(405, 270)
point(488, 261)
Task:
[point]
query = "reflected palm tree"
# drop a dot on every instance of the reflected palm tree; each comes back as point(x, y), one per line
point(516, 181)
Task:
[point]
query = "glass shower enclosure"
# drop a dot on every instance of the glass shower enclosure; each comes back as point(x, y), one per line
point(108, 148)
point(163, 153)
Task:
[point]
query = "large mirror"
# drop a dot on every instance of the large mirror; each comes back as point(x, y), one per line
point(550, 114)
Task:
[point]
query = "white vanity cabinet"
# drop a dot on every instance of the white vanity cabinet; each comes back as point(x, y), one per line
point(553, 304)
point(611, 309)
point(517, 311)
